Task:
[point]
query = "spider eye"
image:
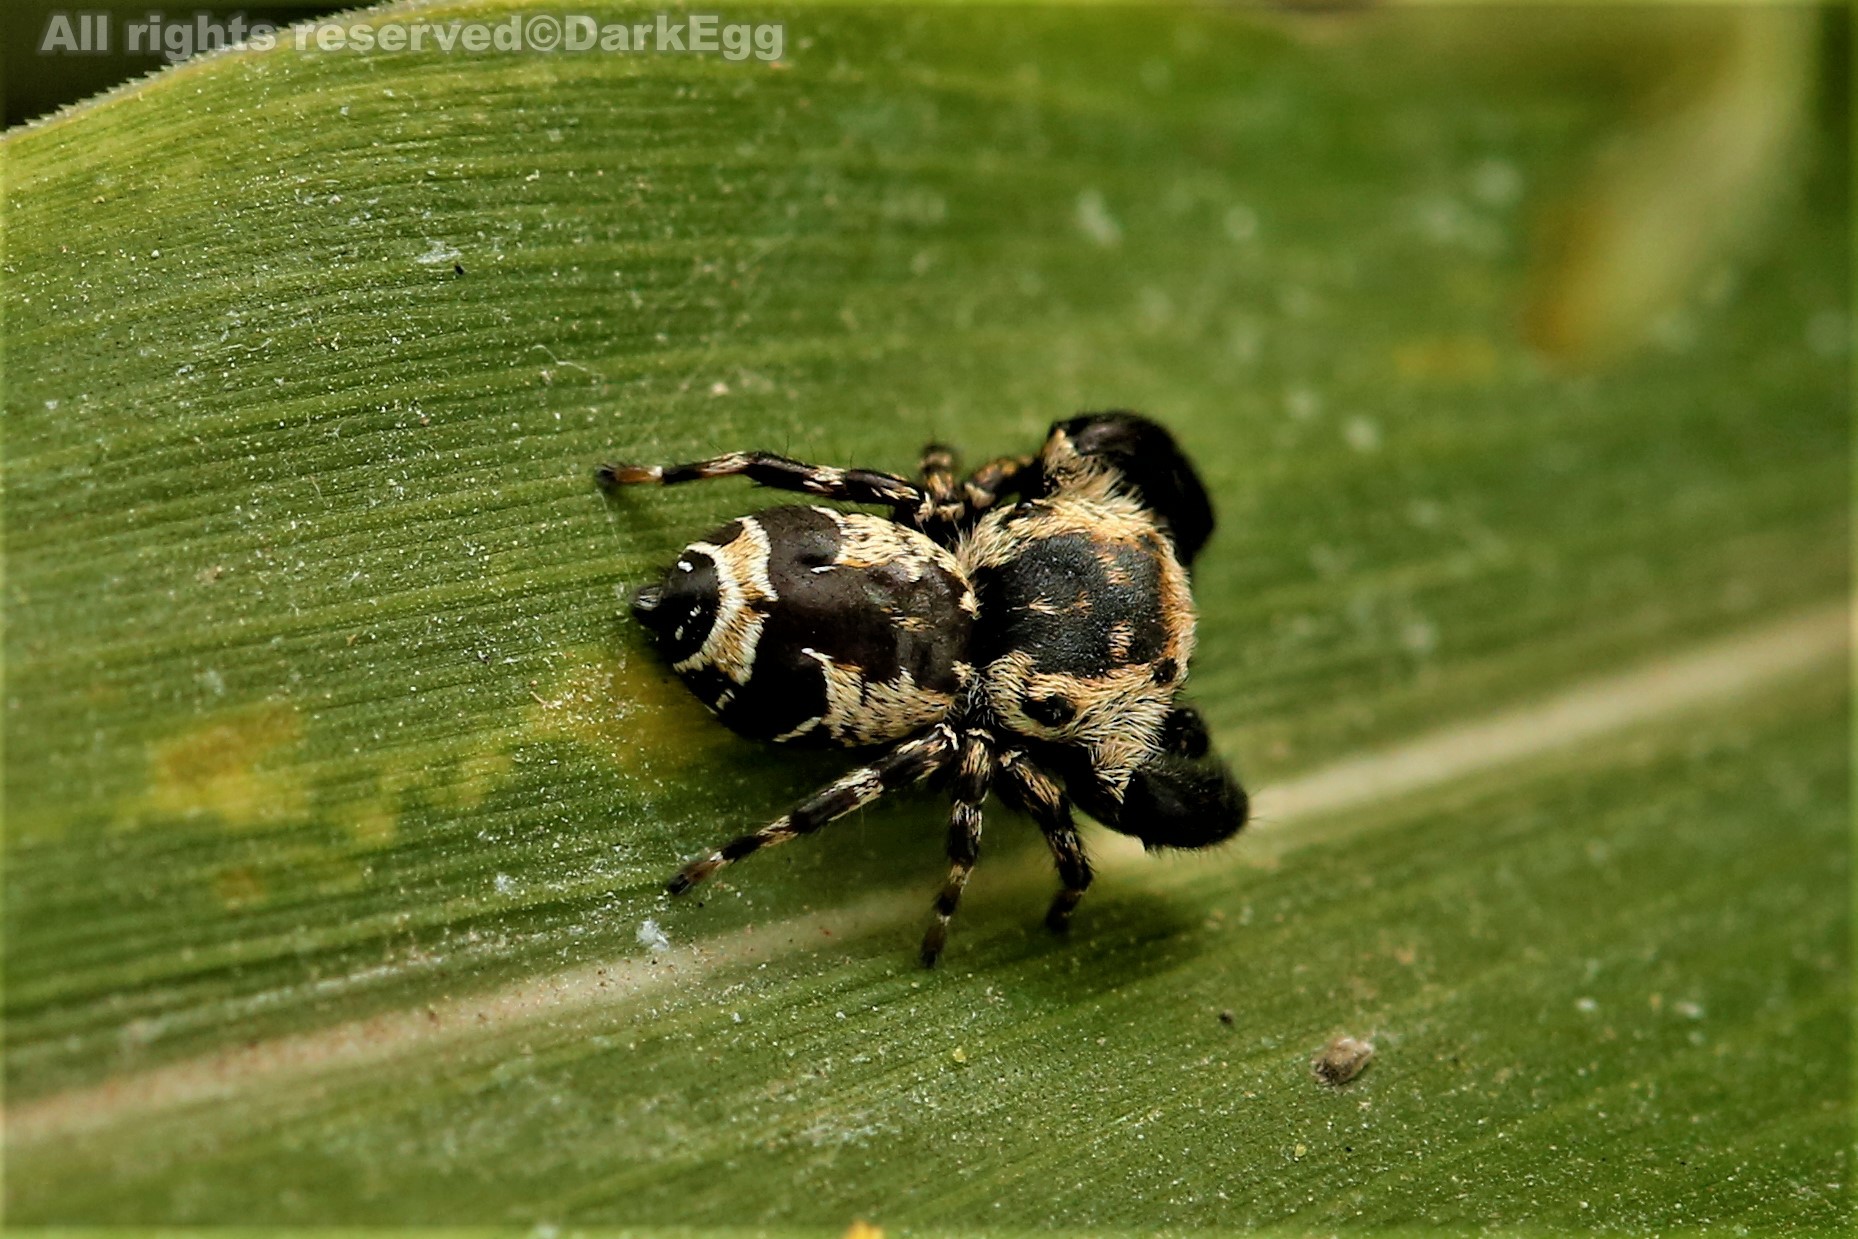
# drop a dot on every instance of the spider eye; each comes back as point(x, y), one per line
point(1175, 803)
point(681, 609)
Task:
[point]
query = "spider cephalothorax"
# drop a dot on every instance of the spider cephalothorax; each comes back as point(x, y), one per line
point(1025, 630)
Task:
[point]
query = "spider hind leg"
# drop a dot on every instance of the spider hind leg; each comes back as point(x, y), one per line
point(908, 762)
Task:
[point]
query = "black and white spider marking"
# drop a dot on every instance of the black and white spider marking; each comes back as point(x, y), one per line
point(1025, 631)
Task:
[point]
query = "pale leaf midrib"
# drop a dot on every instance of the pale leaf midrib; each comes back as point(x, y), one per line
point(1666, 688)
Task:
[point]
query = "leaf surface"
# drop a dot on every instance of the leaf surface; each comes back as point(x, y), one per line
point(338, 792)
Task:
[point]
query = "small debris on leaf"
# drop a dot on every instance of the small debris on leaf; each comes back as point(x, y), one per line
point(1342, 1060)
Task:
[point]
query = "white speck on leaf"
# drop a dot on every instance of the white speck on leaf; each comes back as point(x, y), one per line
point(1303, 404)
point(1496, 183)
point(1095, 221)
point(652, 938)
point(439, 254)
point(1363, 434)
point(1420, 637)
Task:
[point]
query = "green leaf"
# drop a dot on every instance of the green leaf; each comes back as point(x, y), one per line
point(339, 792)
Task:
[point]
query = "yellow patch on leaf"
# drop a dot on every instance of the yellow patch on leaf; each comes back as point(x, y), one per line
point(241, 769)
point(637, 717)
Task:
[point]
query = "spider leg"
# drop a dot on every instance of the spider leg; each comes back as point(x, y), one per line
point(908, 762)
point(947, 510)
point(945, 506)
point(949, 507)
point(1005, 475)
point(973, 772)
point(768, 469)
point(938, 470)
point(1035, 793)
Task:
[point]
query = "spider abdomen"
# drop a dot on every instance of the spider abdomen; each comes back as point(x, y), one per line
point(801, 623)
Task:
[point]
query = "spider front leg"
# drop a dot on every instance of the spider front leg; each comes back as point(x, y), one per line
point(909, 762)
point(973, 773)
point(1035, 793)
point(780, 472)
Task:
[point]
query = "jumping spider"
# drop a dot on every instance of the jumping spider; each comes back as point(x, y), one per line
point(1019, 645)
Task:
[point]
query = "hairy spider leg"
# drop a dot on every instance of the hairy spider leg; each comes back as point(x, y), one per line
point(954, 504)
point(908, 762)
point(947, 509)
point(973, 772)
point(1033, 792)
point(938, 472)
point(780, 472)
point(1001, 476)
